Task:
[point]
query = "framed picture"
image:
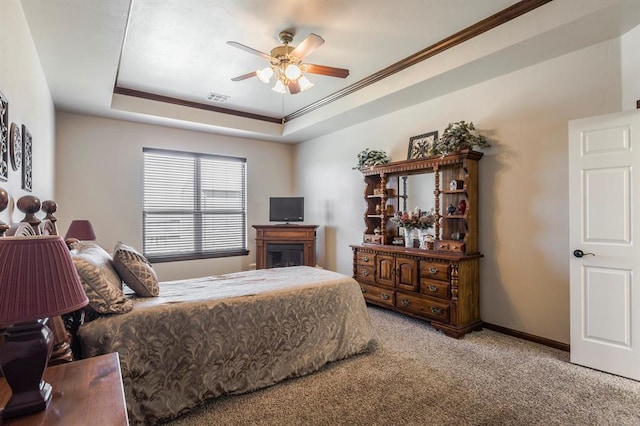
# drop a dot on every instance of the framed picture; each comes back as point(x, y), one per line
point(422, 146)
point(27, 159)
point(4, 138)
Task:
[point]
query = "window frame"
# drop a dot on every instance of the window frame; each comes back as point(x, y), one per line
point(198, 211)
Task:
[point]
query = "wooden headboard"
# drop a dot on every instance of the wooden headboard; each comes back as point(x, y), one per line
point(31, 225)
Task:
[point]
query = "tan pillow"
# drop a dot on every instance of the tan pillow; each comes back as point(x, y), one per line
point(135, 270)
point(98, 256)
point(100, 280)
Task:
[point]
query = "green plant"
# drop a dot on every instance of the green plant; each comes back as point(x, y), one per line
point(458, 136)
point(371, 157)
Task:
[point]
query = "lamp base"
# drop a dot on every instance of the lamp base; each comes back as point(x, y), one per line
point(23, 360)
point(28, 402)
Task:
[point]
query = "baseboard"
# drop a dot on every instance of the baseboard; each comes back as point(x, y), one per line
point(526, 336)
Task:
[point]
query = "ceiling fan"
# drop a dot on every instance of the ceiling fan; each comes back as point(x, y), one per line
point(286, 64)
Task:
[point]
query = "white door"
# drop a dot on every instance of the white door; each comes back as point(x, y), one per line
point(604, 180)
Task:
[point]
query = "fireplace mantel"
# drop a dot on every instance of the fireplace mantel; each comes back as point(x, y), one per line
point(285, 234)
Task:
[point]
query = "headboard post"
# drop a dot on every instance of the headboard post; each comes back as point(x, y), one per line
point(4, 202)
point(50, 207)
point(30, 205)
point(49, 226)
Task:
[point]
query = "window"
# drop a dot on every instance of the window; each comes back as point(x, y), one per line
point(194, 206)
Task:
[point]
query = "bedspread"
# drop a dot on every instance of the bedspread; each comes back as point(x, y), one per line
point(226, 334)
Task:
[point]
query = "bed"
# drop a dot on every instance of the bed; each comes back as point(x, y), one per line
point(183, 342)
point(229, 334)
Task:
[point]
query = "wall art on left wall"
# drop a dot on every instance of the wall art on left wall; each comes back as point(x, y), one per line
point(15, 146)
point(4, 138)
point(27, 159)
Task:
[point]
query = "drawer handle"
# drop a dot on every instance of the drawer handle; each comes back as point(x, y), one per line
point(433, 288)
point(433, 270)
point(436, 310)
point(365, 258)
point(385, 296)
point(404, 302)
point(363, 289)
point(365, 273)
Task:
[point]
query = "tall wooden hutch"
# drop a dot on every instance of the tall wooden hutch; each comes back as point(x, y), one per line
point(439, 284)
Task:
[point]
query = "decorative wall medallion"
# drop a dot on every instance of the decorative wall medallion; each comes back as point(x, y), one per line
point(4, 138)
point(27, 159)
point(15, 146)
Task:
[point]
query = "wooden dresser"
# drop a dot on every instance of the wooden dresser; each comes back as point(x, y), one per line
point(439, 287)
point(439, 282)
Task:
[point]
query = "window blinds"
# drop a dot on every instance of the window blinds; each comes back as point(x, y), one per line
point(194, 205)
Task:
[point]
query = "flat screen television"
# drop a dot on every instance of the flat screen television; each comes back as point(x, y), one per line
point(286, 209)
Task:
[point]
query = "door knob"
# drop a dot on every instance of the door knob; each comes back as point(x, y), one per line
point(580, 253)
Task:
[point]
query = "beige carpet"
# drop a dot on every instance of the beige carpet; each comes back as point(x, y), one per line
point(414, 375)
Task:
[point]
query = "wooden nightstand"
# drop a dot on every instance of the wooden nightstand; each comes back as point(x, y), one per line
point(85, 392)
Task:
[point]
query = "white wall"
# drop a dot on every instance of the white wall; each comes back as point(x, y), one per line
point(523, 179)
point(23, 84)
point(100, 175)
point(630, 68)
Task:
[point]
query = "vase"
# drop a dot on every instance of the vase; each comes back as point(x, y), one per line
point(462, 206)
point(410, 234)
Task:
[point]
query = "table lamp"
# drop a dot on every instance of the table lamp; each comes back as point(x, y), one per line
point(81, 230)
point(37, 280)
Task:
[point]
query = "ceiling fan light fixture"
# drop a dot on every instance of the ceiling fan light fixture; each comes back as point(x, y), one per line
point(292, 72)
point(286, 64)
point(305, 84)
point(279, 87)
point(265, 74)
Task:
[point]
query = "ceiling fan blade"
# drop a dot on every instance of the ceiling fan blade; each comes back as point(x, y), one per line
point(324, 70)
point(294, 87)
point(308, 45)
point(244, 76)
point(249, 49)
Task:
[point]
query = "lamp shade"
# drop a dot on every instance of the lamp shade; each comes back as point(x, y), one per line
point(265, 74)
point(81, 230)
point(279, 87)
point(37, 279)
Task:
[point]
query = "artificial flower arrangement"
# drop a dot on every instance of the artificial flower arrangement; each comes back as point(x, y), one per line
point(371, 157)
point(415, 219)
point(458, 136)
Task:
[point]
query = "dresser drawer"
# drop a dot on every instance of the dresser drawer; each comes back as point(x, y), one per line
point(450, 245)
point(367, 259)
point(366, 273)
point(372, 238)
point(434, 288)
point(434, 271)
point(427, 306)
point(378, 295)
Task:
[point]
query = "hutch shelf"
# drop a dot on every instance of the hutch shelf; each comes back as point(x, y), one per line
point(440, 284)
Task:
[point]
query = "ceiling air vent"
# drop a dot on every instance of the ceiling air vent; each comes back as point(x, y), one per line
point(217, 98)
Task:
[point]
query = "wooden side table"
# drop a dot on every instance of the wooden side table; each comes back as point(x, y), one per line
point(85, 392)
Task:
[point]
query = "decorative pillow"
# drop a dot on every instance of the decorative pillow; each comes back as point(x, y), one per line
point(135, 270)
point(99, 279)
